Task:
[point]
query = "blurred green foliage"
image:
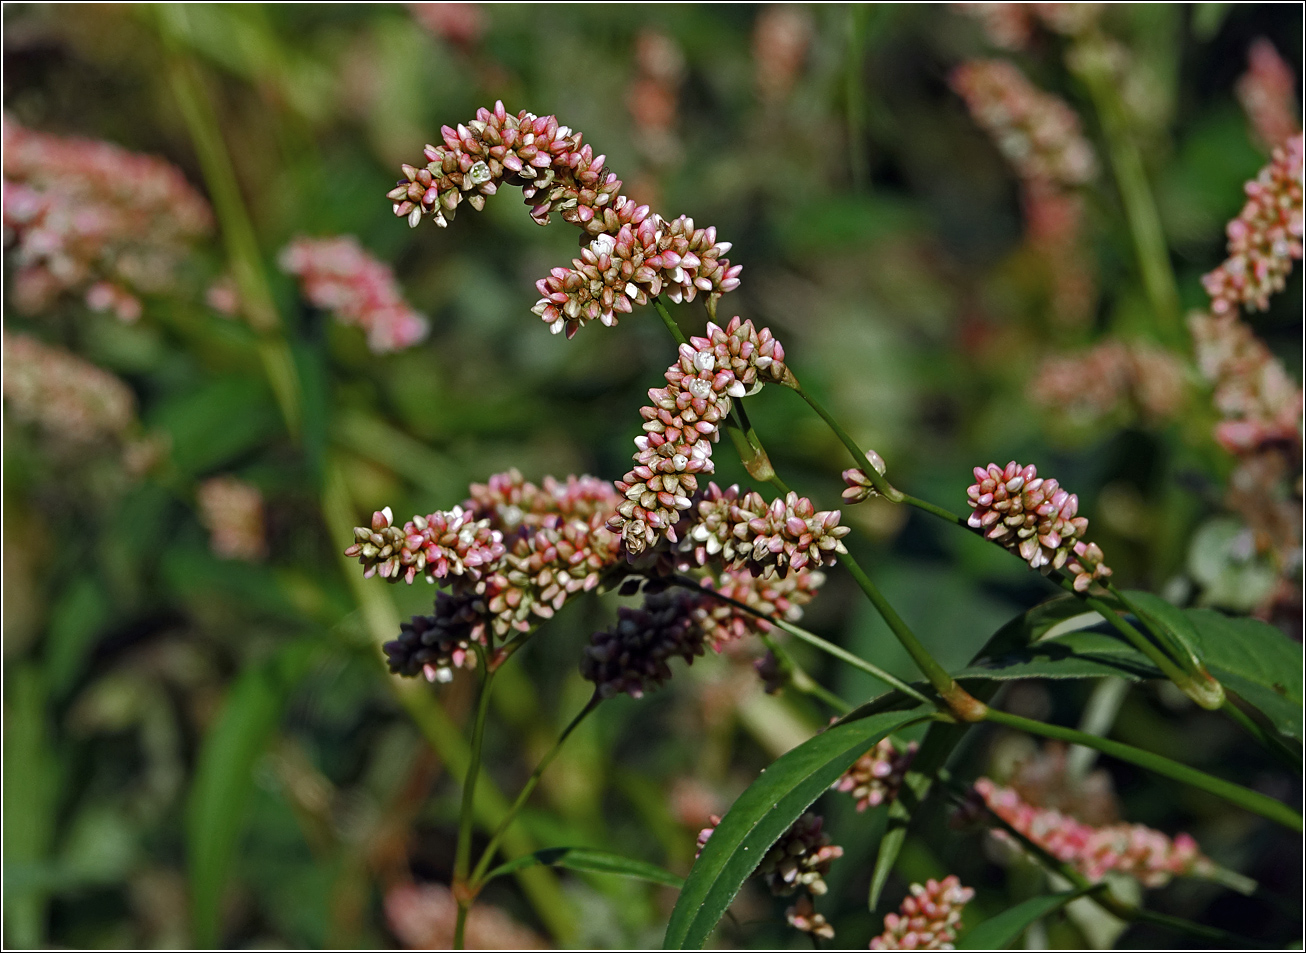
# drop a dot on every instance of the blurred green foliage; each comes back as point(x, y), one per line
point(200, 751)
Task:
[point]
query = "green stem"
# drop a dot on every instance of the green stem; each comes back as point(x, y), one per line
point(800, 680)
point(810, 638)
point(466, 815)
point(1249, 800)
point(669, 321)
point(1092, 62)
point(854, 100)
point(238, 235)
point(966, 707)
point(490, 848)
point(877, 479)
point(460, 927)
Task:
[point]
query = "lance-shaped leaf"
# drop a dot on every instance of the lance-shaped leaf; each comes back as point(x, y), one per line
point(997, 933)
point(766, 810)
point(592, 861)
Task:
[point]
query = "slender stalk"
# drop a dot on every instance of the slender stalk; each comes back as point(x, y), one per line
point(810, 638)
point(854, 98)
point(238, 235)
point(669, 321)
point(1198, 691)
point(877, 479)
point(466, 813)
point(962, 703)
point(800, 680)
point(474, 884)
point(1245, 798)
point(460, 927)
point(1092, 62)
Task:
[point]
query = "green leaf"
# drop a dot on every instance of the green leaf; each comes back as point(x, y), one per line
point(224, 777)
point(31, 788)
point(1255, 660)
point(218, 421)
point(594, 861)
point(766, 810)
point(1075, 655)
point(996, 933)
point(1156, 613)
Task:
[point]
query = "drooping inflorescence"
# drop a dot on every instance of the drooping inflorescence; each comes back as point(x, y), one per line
point(337, 275)
point(633, 252)
point(927, 919)
point(1141, 852)
point(90, 218)
point(232, 511)
point(875, 777)
point(1267, 94)
point(1265, 238)
point(70, 399)
point(511, 555)
point(1090, 386)
point(1035, 518)
point(1037, 132)
point(1259, 403)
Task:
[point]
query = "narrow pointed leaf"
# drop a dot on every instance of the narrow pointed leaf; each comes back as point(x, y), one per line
point(766, 810)
point(999, 932)
point(593, 861)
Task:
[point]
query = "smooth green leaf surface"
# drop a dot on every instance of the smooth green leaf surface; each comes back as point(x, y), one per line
point(1075, 655)
point(997, 933)
point(1257, 661)
point(594, 861)
point(224, 778)
point(765, 811)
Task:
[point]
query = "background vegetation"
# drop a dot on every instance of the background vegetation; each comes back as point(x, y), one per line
point(205, 750)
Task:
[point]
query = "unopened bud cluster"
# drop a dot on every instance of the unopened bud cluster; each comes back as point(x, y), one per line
point(1259, 403)
point(683, 420)
point(860, 486)
point(1036, 132)
point(1267, 94)
point(633, 656)
point(1035, 518)
point(1141, 852)
point(232, 511)
point(780, 596)
point(634, 253)
point(512, 555)
point(927, 919)
point(70, 399)
point(1011, 25)
point(87, 217)
point(876, 776)
point(337, 275)
point(1265, 238)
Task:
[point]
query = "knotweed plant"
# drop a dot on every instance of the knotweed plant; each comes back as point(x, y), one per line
point(672, 557)
point(712, 565)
